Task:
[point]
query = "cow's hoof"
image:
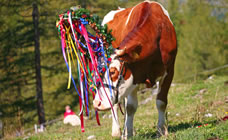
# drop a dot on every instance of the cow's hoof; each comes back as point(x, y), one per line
point(163, 131)
point(116, 134)
point(123, 137)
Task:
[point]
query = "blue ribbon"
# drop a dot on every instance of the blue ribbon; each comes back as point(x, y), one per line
point(86, 93)
point(103, 52)
point(72, 78)
point(83, 21)
point(97, 49)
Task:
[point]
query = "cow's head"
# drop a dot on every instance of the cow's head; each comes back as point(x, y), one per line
point(120, 80)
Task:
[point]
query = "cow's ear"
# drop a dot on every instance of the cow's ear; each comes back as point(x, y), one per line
point(130, 53)
point(135, 53)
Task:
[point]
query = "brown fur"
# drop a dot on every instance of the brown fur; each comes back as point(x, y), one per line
point(150, 41)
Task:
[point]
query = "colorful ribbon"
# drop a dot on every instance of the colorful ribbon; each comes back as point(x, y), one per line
point(77, 43)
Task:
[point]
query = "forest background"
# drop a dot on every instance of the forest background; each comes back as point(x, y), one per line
point(201, 27)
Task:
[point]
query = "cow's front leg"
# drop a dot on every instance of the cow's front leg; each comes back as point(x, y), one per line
point(116, 132)
point(131, 107)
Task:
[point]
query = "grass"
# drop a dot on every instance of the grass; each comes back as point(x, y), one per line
point(186, 116)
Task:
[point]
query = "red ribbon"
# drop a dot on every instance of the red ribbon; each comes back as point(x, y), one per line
point(96, 112)
point(84, 32)
point(81, 115)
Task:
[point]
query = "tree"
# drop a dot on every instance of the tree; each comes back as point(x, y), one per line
point(16, 66)
point(201, 39)
point(39, 94)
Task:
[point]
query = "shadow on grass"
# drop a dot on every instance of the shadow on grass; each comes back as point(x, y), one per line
point(182, 126)
point(149, 133)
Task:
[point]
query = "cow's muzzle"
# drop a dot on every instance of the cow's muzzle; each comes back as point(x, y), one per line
point(101, 106)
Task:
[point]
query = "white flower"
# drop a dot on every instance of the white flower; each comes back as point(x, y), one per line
point(91, 137)
point(208, 115)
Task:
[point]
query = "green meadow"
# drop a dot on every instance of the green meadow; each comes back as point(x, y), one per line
point(195, 111)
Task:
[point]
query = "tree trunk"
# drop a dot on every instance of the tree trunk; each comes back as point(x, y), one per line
point(39, 95)
point(1, 127)
point(83, 3)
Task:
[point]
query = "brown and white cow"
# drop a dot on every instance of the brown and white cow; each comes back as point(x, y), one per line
point(146, 48)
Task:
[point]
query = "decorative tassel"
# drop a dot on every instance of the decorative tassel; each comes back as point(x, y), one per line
point(90, 52)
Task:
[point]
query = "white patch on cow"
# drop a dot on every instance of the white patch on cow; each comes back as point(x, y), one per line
point(126, 87)
point(110, 16)
point(129, 15)
point(155, 88)
point(159, 81)
point(161, 107)
point(164, 10)
point(115, 63)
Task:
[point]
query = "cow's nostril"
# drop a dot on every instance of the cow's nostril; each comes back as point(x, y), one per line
point(99, 104)
point(96, 103)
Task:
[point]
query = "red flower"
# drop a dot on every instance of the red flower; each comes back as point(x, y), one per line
point(103, 69)
point(225, 118)
point(84, 16)
point(109, 59)
point(199, 126)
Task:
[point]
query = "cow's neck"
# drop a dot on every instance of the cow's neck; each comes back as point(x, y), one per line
point(144, 71)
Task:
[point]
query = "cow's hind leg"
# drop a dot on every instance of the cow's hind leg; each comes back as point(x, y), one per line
point(162, 129)
point(131, 106)
point(161, 101)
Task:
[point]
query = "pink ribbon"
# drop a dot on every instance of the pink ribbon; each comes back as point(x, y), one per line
point(85, 34)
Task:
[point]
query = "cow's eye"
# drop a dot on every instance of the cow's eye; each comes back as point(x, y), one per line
point(111, 73)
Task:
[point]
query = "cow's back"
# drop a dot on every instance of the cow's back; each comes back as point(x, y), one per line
point(126, 20)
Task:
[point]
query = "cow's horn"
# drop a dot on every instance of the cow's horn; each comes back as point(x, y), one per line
point(120, 52)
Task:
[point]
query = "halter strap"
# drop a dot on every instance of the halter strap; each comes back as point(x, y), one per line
point(121, 75)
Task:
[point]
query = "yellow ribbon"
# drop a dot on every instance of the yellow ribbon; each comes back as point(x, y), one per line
point(69, 80)
point(68, 56)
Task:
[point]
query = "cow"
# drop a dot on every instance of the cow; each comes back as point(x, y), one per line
point(145, 51)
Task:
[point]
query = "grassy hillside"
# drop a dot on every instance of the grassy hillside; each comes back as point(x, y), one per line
point(202, 34)
point(194, 111)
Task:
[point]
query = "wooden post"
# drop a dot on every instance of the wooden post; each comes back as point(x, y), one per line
point(39, 95)
point(35, 127)
point(1, 127)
